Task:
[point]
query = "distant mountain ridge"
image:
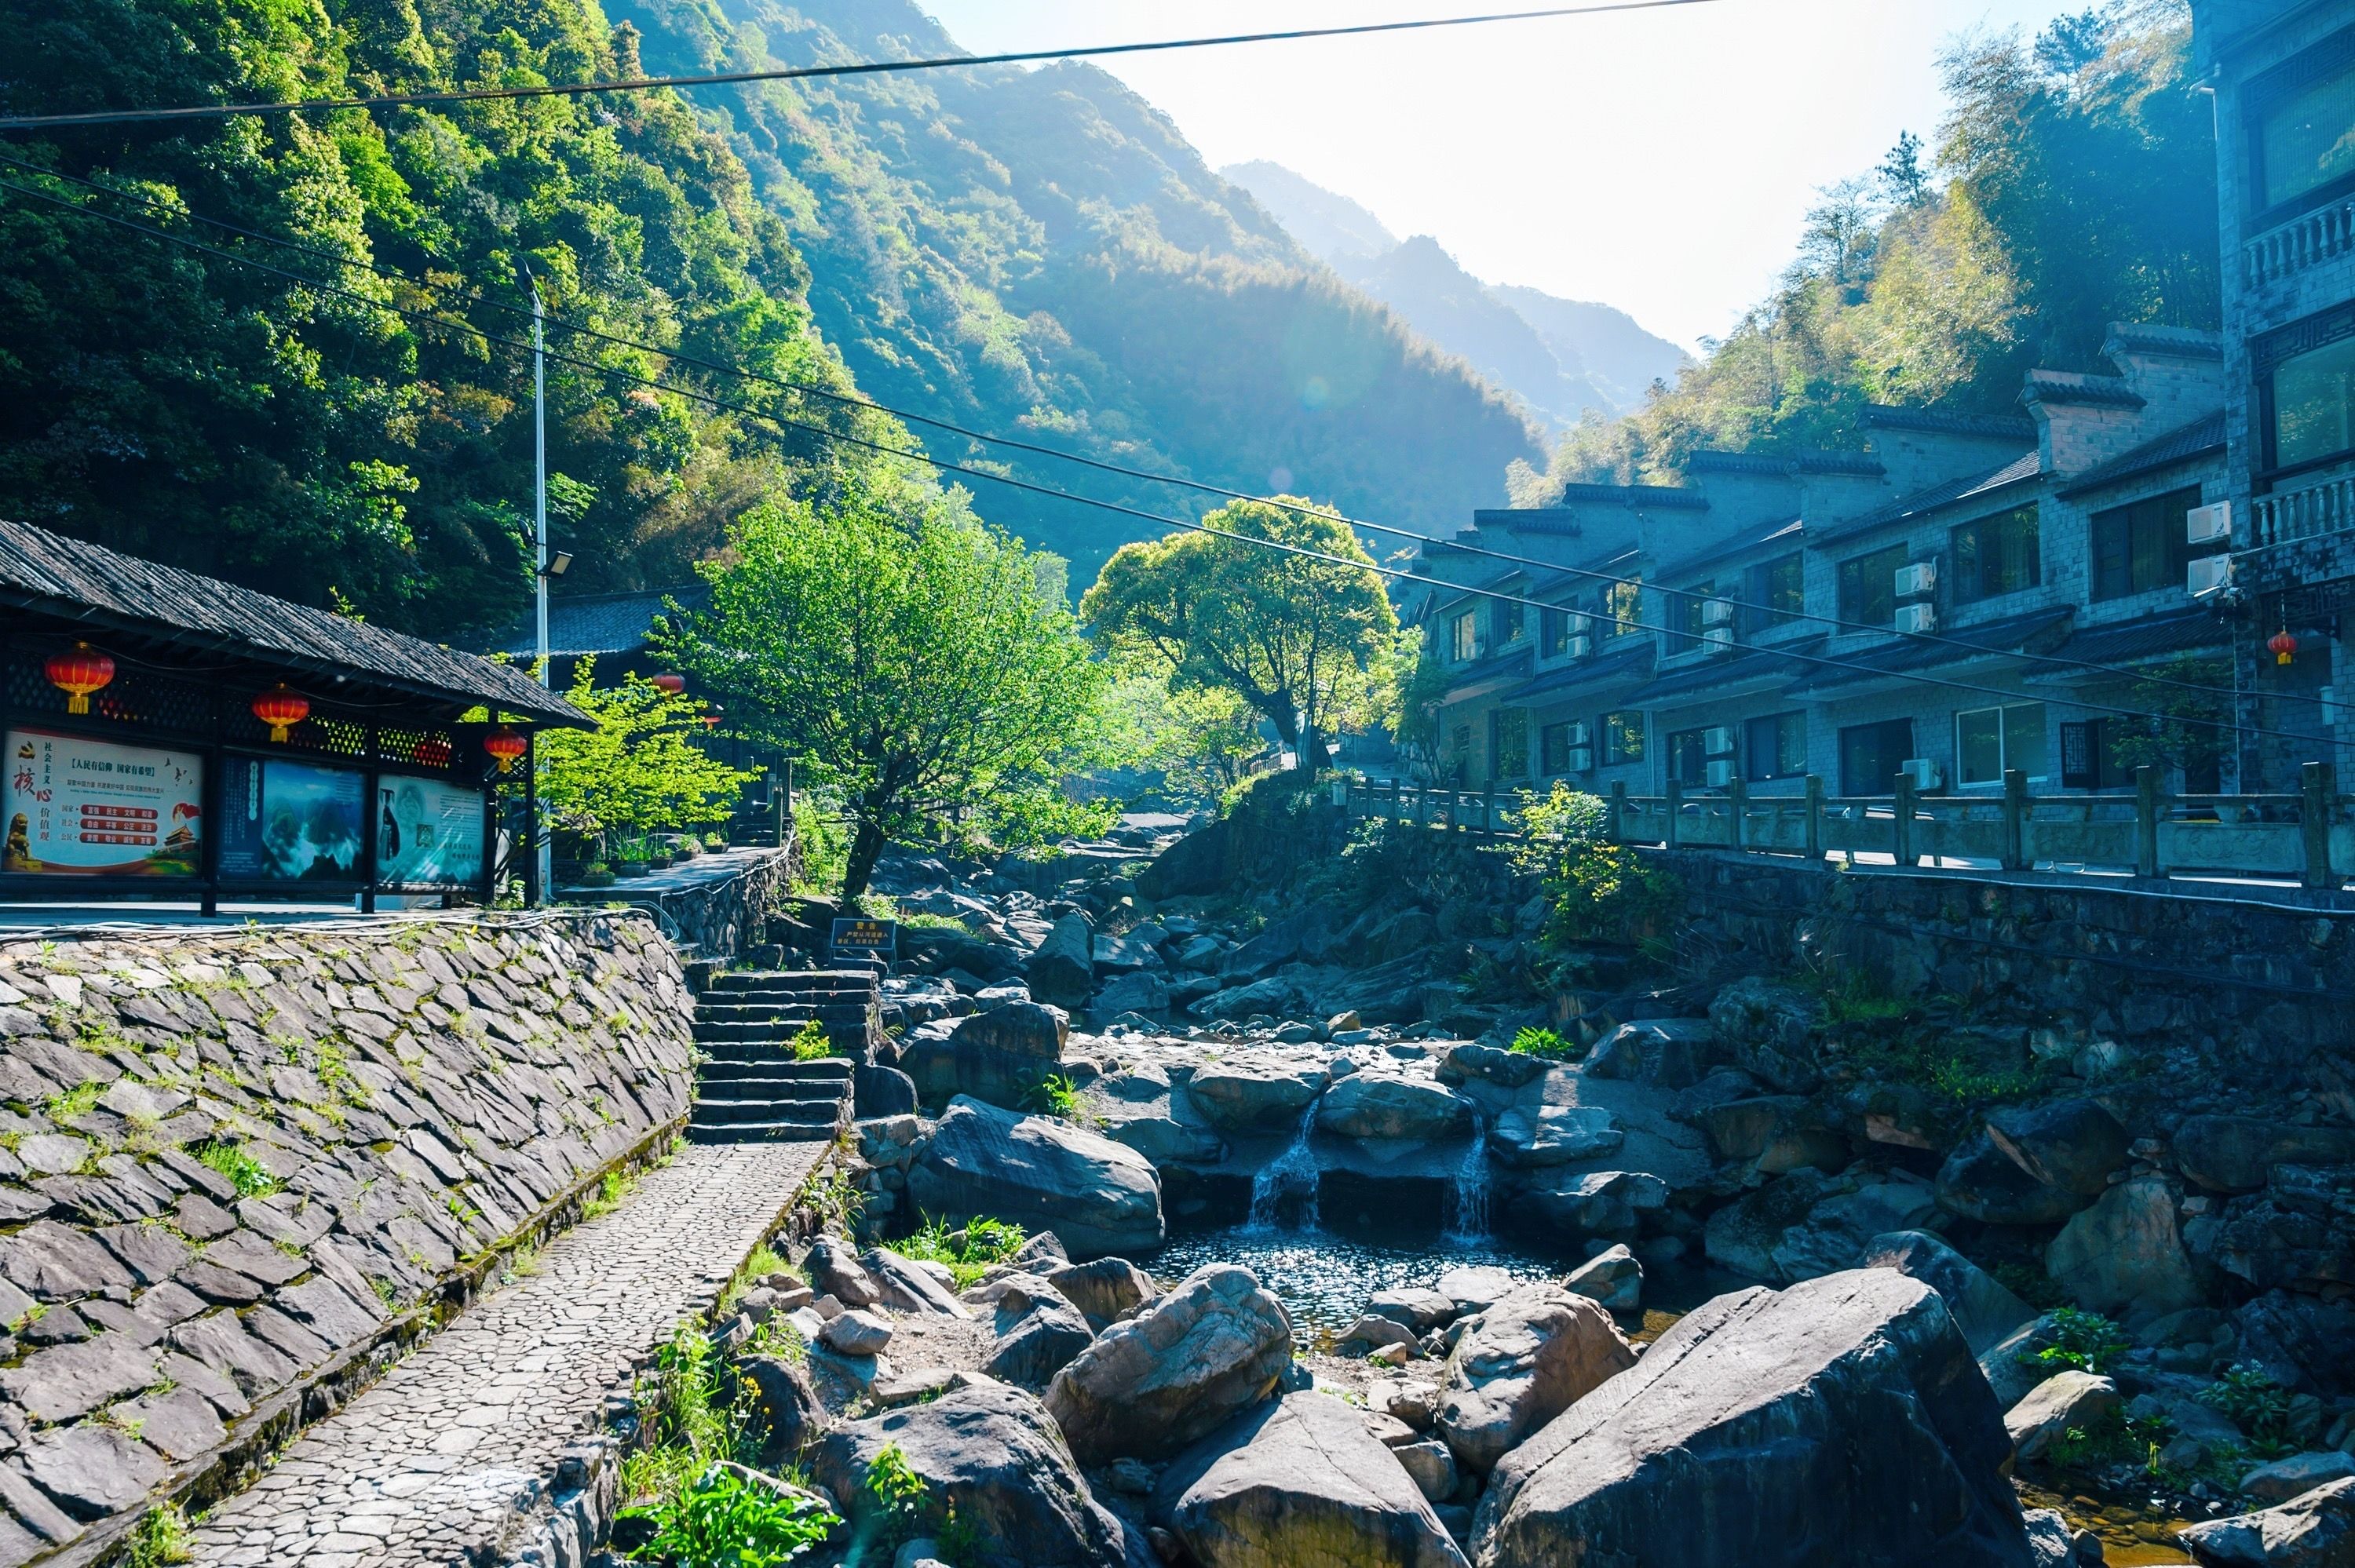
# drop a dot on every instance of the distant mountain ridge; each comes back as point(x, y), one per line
point(1561, 356)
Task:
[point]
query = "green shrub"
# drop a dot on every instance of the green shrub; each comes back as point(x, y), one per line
point(2082, 1341)
point(901, 1492)
point(969, 1252)
point(251, 1176)
point(720, 1520)
point(1054, 1094)
point(1594, 890)
point(810, 1042)
point(2258, 1405)
point(161, 1538)
point(1546, 1044)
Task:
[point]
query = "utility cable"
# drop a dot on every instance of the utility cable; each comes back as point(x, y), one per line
point(479, 295)
point(945, 466)
point(801, 73)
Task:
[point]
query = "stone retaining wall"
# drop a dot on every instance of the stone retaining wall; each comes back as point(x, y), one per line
point(2268, 991)
point(712, 907)
point(240, 1171)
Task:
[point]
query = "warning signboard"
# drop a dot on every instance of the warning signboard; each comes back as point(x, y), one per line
point(863, 939)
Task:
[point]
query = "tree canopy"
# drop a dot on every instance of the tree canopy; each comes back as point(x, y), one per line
point(1310, 643)
point(918, 660)
point(639, 769)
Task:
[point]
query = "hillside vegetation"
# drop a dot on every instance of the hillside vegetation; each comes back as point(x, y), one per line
point(2072, 185)
point(222, 419)
point(1040, 252)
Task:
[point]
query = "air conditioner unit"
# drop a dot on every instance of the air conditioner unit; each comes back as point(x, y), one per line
point(2204, 575)
point(1920, 579)
point(1581, 645)
point(2208, 524)
point(1582, 759)
point(1721, 774)
point(1718, 640)
point(1579, 733)
point(1717, 612)
point(1718, 741)
point(1924, 772)
point(1917, 617)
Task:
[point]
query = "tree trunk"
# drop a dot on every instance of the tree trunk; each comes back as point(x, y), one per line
point(1315, 755)
point(866, 848)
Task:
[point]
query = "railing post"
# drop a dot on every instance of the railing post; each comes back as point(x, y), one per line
point(2146, 820)
point(1614, 819)
point(1488, 812)
point(1675, 806)
point(1422, 805)
point(2316, 790)
point(1902, 820)
point(2015, 819)
point(1737, 796)
point(1815, 818)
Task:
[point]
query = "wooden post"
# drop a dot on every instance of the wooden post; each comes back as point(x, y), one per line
point(1615, 814)
point(1902, 820)
point(1815, 818)
point(2015, 819)
point(2146, 820)
point(1675, 808)
point(2316, 788)
point(1737, 797)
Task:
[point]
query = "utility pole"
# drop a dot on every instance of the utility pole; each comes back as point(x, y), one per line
point(542, 849)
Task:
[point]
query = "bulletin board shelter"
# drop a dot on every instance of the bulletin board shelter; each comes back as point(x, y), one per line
point(173, 737)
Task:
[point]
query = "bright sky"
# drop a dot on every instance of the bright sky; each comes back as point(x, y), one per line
point(1655, 161)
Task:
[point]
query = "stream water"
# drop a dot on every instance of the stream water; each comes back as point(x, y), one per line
point(1468, 1226)
point(1291, 1175)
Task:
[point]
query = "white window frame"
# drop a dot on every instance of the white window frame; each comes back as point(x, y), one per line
point(2002, 745)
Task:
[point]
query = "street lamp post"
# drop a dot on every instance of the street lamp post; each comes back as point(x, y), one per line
point(542, 849)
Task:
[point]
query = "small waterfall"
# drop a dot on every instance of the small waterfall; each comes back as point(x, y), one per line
point(1294, 1170)
point(1470, 1223)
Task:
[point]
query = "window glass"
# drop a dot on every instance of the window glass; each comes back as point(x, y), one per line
point(1622, 736)
point(1553, 633)
point(1510, 621)
point(1689, 605)
point(1462, 636)
point(1775, 746)
point(2141, 547)
point(1867, 587)
point(1997, 555)
point(1553, 749)
point(2023, 738)
point(1620, 602)
point(1509, 737)
point(1989, 742)
point(1688, 758)
point(1870, 754)
point(1776, 592)
point(2308, 140)
point(2313, 404)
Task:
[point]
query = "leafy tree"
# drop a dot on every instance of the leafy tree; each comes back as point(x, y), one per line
point(1199, 737)
point(1594, 890)
point(1903, 179)
point(910, 654)
point(2190, 734)
point(1308, 643)
point(638, 770)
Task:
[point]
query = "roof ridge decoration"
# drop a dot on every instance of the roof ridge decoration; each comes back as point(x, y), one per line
point(2074, 387)
point(2150, 337)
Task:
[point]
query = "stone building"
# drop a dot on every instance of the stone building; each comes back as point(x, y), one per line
point(1770, 618)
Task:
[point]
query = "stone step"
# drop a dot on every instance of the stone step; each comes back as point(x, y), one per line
point(830, 1112)
point(759, 1132)
point(829, 1069)
point(711, 1035)
point(795, 1074)
point(766, 1003)
point(858, 981)
point(791, 1014)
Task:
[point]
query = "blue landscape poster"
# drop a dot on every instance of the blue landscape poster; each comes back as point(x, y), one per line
point(290, 821)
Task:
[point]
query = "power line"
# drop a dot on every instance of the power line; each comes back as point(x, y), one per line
point(944, 466)
point(477, 294)
point(800, 73)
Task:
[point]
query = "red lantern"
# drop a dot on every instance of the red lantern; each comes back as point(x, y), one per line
point(77, 672)
point(2282, 644)
point(281, 708)
point(505, 746)
point(432, 752)
point(666, 682)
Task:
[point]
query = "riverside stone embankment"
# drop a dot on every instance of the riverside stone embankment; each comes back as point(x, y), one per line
point(241, 1172)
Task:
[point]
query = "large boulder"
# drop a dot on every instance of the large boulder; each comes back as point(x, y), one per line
point(1101, 1197)
point(991, 1452)
point(2124, 1255)
point(1519, 1364)
point(2306, 1342)
point(1369, 1104)
point(1770, 1031)
point(1530, 1136)
point(2316, 1530)
point(2298, 1234)
point(1214, 1346)
point(1256, 1097)
point(1610, 1276)
point(1063, 970)
point(2050, 1409)
point(1980, 1181)
point(1468, 1059)
point(1300, 1483)
point(1140, 991)
point(2237, 1153)
point(1000, 1055)
point(2073, 1144)
point(1038, 1332)
point(938, 949)
point(1805, 1225)
point(1609, 1204)
point(1673, 1053)
point(1106, 1291)
point(1984, 1310)
point(906, 1286)
point(1839, 1423)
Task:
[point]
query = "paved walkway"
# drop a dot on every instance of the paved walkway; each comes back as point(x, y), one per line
point(426, 1465)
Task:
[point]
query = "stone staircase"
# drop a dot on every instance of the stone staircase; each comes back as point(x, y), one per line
point(748, 1088)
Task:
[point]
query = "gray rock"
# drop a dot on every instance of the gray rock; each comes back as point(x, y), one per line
point(91, 1470)
point(1475, 1286)
point(1106, 1291)
point(882, 1092)
point(1301, 1483)
point(991, 1452)
point(1430, 1465)
point(1770, 1031)
point(1000, 1055)
point(56, 1262)
point(1804, 1224)
point(834, 1271)
point(1139, 992)
point(1599, 1204)
point(855, 1333)
point(1100, 1197)
point(2052, 1544)
point(1255, 1097)
point(1038, 1336)
point(1419, 1310)
point(2237, 1153)
point(1063, 972)
point(786, 1413)
point(2125, 1253)
point(1671, 1053)
point(1366, 1106)
point(2297, 1475)
point(1374, 1331)
point(1984, 1310)
point(1980, 1181)
point(2315, 1531)
point(1213, 1346)
point(1521, 1362)
point(1834, 1424)
point(2073, 1144)
point(905, 1286)
point(1491, 1064)
point(2061, 1401)
point(1529, 1136)
point(2011, 1366)
point(181, 1423)
point(67, 1382)
point(1611, 1277)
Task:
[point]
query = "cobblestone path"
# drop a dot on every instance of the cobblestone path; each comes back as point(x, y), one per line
point(426, 1465)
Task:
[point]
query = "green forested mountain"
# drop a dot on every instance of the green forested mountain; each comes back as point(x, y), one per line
point(2072, 185)
point(225, 419)
point(1040, 252)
